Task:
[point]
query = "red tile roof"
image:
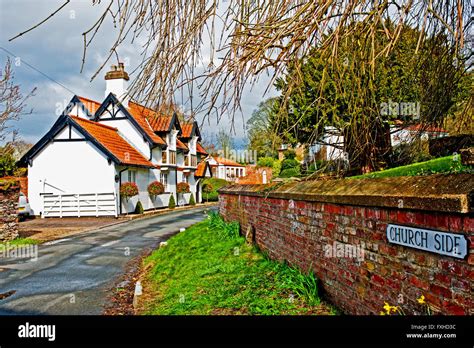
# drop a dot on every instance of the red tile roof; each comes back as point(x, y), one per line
point(201, 169)
point(109, 138)
point(255, 176)
point(139, 114)
point(200, 149)
point(159, 122)
point(227, 162)
point(186, 129)
point(90, 104)
point(181, 145)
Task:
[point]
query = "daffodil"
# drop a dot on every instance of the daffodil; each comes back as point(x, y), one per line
point(421, 300)
point(387, 307)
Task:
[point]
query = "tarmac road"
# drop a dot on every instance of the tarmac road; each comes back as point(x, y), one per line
point(72, 275)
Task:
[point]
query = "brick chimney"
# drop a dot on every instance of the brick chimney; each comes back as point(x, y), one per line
point(116, 82)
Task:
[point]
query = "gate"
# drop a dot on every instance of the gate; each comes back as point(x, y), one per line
point(79, 204)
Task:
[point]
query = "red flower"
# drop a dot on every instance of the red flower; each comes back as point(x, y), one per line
point(128, 189)
point(156, 188)
point(183, 187)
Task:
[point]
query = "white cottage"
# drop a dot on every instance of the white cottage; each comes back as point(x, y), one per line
point(77, 168)
point(223, 168)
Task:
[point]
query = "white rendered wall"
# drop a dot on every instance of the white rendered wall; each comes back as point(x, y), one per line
point(68, 167)
point(156, 155)
point(180, 159)
point(143, 178)
point(129, 133)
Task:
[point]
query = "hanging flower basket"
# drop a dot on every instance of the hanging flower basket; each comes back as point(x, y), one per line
point(183, 187)
point(128, 189)
point(156, 188)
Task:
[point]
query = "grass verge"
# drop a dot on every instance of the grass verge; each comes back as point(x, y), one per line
point(449, 164)
point(209, 269)
point(216, 184)
point(18, 242)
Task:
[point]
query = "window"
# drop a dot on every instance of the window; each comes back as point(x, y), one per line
point(185, 178)
point(172, 159)
point(132, 176)
point(164, 180)
point(193, 161)
point(164, 156)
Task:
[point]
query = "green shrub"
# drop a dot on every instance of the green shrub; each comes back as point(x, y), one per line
point(207, 188)
point(265, 162)
point(276, 168)
point(139, 208)
point(290, 172)
point(192, 201)
point(172, 203)
point(21, 171)
point(289, 154)
point(272, 163)
point(211, 197)
point(289, 163)
point(215, 184)
point(7, 164)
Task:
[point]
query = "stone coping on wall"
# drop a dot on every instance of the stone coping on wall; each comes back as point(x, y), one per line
point(440, 192)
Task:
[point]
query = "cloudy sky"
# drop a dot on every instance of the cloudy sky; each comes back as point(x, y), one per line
point(49, 58)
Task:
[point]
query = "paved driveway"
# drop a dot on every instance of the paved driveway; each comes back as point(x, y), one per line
point(72, 275)
point(52, 228)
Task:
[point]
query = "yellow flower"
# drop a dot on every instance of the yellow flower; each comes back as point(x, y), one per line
point(382, 313)
point(421, 300)
point(387, 307)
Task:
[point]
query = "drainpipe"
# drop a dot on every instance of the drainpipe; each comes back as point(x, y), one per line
point(176, 180)
point(120, 184)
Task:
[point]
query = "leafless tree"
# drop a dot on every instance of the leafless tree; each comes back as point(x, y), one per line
point(256, 36)
point(249, 38)
point(12, 102)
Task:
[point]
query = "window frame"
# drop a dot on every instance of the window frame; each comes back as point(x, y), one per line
point(164, 180)
point(132, 175)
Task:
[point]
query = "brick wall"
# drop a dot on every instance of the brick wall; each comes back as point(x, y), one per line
point(9, 194)
point(295, 222)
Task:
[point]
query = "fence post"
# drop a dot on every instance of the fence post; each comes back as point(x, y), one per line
point(44, 210)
